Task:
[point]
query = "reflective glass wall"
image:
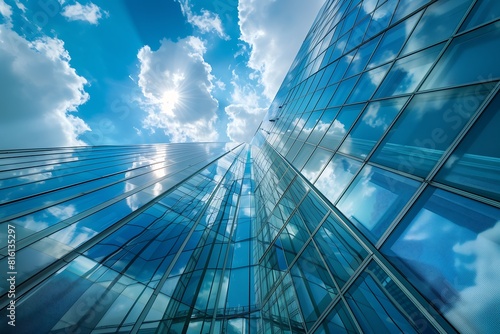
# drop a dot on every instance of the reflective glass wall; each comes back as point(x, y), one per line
point(367, 202)
point(389, 112)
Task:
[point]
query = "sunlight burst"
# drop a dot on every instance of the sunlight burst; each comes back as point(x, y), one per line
point(170, 99)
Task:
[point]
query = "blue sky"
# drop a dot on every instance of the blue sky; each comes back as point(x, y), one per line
point(132, 72)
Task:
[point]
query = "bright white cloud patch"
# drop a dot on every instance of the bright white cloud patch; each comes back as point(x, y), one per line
point(275, 31)
point(5, 10)
point(244, 113)
point(38, 91)
point(177, 84)
point(90, 13)
point(206, 22)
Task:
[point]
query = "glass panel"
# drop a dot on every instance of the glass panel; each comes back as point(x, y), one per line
point(362, 56)
point(375, 198)
point(313, 284)
point(483, 11)
point(380, 306)
point(392, 42)
point(337, 322)
point(407, 7)
point(343, 91)
point(380, 18)
point(303, 155)
point(323, 125)
point(341, 251)
point(369, 128)
point(293, 237)
point(336, 177)
point(438, 23)
point(312, 210)
point(408, 72)
point(462, 282)
point(427, 127)
point(470, 58)
point(316, 163)
point(341, 126)
point(474, 165)
point(367, 84)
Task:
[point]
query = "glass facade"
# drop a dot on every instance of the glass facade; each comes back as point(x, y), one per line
point(367, 202)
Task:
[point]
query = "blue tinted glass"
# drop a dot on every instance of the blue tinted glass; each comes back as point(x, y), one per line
point(369, 300)
point(406, 7)
point(381, 18)
point(342, 253)
point(375, 198)
point(313, 284)
point(392, 42)
point(369, 128)
point(438, 23)
point(340, 126)
point(361, 58)
point(462, 282)
point(337, 322)
point(474, 165)
point(316, 163)
point(293, 237)
point(336, 177)
point(426, 128)
point(483, 11)
point(357, 34)
point(470, 58)
point(343, 91)
point(367, 84)
point(407, 73)
point(323, 125)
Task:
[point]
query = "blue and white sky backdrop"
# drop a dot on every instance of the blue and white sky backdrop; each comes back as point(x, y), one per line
point(143, 71)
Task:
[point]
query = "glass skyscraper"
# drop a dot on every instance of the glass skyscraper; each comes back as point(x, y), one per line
point(368, 200)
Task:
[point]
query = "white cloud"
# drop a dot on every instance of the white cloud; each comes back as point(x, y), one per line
point(90, 13)
point(275, 31)
point(206, 22)
point(38, 91)
point(244, 113)
point(477, 307)
point(5, 11)
point(176, 84)
point(20, 5)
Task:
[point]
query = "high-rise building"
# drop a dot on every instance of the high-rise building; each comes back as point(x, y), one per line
point(368, 200)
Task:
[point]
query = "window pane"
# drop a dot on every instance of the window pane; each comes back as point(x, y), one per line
point(462, 282)
point(407, 72)
point(340, 126)
point(313, 284)
point(474, 165)
point(337, 322)
point(339, 248)
point(367, 84)
point(427, 127)
point(438, 23)
point(336, 176)
point(369, 128)
point(470, 58)
point(323, 124)
point(375, 198)
point(316, 163)
point(380, 18)
point(380, 306)
point(392, 42)
point(483, 11)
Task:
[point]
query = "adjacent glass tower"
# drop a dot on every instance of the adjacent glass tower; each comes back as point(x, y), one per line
point(368, 200)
